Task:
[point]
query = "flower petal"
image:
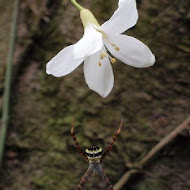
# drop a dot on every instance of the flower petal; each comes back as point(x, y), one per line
point(90, 43)
point(63, 63)
point(131, 51)
point(125, 17)
point(99, 78)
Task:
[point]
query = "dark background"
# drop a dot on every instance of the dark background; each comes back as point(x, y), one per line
point(39, 151)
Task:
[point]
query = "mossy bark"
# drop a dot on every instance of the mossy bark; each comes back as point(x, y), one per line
point(152, 102)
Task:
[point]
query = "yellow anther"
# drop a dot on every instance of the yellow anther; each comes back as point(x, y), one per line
point(104, 54)
point(117, 48)
point(113, 45)
point(100, 64)
point(113, 60)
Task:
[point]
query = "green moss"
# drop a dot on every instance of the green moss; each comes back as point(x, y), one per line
point(152, 102)
point(152, 184)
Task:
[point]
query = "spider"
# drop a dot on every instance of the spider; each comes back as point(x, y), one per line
point(94, 156)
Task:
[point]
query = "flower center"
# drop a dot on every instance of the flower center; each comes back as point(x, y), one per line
point(106, 54)
point(103, 52)
point(107, 39)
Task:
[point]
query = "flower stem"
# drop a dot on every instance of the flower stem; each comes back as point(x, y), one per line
point(8, 80)
point(79, 7)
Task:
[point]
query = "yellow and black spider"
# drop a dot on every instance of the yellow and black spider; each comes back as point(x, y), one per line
point(94, 156)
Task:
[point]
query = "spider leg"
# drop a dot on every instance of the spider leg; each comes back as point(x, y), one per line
point(103, 176)
point(109, 147)
point(85, 178)
point(77, 146)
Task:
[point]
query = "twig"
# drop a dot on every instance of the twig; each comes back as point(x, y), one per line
point(164, 142)
point(8, 74)
point(125, 178)
point(144, 161)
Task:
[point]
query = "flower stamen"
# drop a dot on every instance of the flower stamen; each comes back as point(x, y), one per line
point(117, 48)
point(113, 60)
point(99, 64)
point(113, 45)
point(105, 54)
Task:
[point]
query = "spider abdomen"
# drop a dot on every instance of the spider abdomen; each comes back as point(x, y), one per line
point(94, 153)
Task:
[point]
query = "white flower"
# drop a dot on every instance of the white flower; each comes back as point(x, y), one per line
point(92, 49)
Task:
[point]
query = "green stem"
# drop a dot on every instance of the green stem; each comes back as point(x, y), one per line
point(79, 7)
point(8, 74)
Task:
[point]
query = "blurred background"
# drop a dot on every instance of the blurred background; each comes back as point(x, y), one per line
point(39, 152)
